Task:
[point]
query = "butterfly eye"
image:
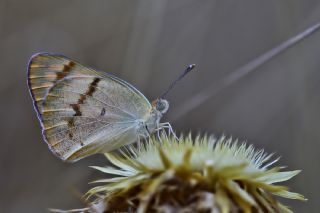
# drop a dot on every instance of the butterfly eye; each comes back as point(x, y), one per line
point(162, 105)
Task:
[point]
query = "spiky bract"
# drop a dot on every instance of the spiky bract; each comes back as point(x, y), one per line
point(185, 175)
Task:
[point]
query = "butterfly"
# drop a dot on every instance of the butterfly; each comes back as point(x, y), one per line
point(83, 112)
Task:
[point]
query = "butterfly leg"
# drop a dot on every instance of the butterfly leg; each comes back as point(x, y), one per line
point(143, 140)
point(158, 133)
point(158, 129)
point(139, 143)
point(168, 126)
point(148, 131)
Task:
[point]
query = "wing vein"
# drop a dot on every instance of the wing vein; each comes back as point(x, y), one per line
point(92, 122)
point(106, 104)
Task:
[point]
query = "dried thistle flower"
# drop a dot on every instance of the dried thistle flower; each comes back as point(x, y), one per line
point(185, 175)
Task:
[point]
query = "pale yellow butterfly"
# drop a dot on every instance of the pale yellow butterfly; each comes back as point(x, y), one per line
point(83, 112)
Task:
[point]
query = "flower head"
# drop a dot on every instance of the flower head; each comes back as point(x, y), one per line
point(186, 175)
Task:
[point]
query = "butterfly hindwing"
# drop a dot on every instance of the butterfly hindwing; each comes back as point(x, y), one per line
point(82, 111)
point(75, 119)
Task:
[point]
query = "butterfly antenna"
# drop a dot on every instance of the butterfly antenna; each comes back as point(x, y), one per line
point(185, 72)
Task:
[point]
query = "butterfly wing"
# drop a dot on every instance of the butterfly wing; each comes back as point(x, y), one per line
point(82, 111)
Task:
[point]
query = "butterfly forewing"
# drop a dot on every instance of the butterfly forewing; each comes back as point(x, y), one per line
point(83, 111)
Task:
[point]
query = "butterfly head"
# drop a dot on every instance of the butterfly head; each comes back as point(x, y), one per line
point(160, 105)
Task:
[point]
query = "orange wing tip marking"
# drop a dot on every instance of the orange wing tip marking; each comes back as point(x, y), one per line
point(56, 110)
point(52, 127)
point(36, 66)
point(54, 143)
point(49, 95)
point(43, 76)
point(42, 86)
point(39, 99)
point(52, 66)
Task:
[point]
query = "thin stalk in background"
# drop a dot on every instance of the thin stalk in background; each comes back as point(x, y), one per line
point(208, 92)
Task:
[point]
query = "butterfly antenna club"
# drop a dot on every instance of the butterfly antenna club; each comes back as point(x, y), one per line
point(184, 73)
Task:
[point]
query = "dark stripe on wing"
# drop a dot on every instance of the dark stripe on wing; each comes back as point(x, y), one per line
point(92, 87)
point(65, 71)
point(76, 109)
point(83, 97)
point(90, 91)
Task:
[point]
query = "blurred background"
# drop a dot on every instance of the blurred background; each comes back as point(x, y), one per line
point(148, 43)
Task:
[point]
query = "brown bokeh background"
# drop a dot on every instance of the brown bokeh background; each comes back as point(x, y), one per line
point(148, 43)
